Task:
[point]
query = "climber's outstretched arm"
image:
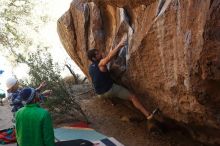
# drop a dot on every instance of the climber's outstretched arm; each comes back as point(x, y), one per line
point(111, 54)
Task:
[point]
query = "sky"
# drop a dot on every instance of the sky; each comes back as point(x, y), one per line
point(55, 9)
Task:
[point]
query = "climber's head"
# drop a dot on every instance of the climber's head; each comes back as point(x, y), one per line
point(94, 55)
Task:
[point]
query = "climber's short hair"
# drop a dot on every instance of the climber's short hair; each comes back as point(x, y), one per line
point(91, 54)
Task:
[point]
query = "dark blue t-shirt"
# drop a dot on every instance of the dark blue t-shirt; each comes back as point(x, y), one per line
point(102, 81)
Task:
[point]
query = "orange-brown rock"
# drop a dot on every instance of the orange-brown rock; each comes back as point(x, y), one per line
point(172, 58)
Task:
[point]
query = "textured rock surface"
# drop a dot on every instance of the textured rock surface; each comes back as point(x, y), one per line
point(172, 59)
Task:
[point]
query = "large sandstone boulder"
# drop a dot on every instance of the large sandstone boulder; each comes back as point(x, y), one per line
point(172, 57)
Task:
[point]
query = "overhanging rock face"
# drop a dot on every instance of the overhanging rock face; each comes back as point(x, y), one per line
point(172, 58)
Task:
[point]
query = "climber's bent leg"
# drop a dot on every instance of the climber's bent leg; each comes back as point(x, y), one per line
point(136, 102)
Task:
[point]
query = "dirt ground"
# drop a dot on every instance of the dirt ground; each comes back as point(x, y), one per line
point(5, 119)
point(127, 125)
point(114, 121)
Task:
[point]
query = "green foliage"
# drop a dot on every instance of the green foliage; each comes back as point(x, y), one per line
point(13, 14)
point(18, 24)
point(42, 68)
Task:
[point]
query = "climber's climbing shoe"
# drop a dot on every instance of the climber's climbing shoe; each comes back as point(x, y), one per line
point(155, 111)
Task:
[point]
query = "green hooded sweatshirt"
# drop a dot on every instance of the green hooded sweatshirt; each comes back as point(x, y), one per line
point(34, 126)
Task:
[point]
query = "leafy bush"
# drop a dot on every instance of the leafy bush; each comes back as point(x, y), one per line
point(42, 68)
